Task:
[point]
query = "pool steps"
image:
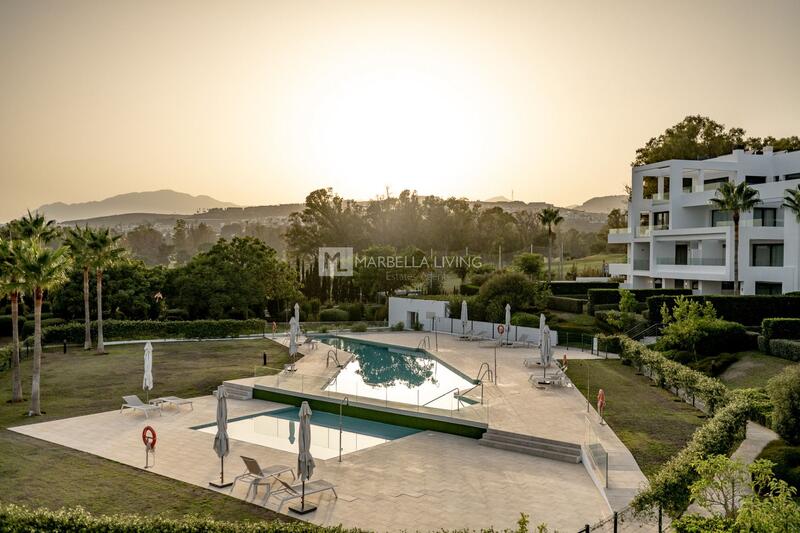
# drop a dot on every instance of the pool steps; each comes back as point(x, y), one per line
point(238, 392)
point(530, 445)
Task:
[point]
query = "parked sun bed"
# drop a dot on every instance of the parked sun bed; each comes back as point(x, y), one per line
point(172, 400)
point(133, 402)
point(480, 336)
point(259, 476)
point(290, 492)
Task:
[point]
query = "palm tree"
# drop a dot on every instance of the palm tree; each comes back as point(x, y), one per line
point(104, 253)
point(77, 241)
point(736, 199)
point(550, 218)
point(44, 269)
point(12, 284)
point(792, 201)
point(34, 227)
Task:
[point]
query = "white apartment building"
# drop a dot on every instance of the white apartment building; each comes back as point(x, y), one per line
point(676, 239)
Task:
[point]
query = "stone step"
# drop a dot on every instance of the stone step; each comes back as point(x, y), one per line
point(532, 438)
point(535, 451)
point(236, 391)
point(531, 445)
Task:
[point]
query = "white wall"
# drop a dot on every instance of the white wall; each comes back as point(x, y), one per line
point(399, 309)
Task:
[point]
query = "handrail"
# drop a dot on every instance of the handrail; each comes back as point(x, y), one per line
point(443, 395)
point(462, 394)
point(333, 353)
point(482, 372)
point(425, 342)
point(641, 334)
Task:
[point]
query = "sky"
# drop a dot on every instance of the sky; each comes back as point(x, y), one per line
point(261, 102)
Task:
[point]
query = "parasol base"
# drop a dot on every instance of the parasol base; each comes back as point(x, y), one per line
point(303, 509)
point(218, 485)
point(544, 382)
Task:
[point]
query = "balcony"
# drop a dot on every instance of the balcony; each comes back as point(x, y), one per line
point(661, 198)
point(691, 261)
point(619, 231)
point(643, 231)
point(641, 264)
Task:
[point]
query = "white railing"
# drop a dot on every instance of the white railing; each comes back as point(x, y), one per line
point(489, 331)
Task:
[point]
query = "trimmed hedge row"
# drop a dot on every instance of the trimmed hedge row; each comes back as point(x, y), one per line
point(562, 288)
point(333, 315)
point(785, 349)
point(73, 332)
point(14, 518)
point(569, 305)
point(746, 310)
point(612, 296)
point(5, 325)
point(671, 374)
point(780, 328)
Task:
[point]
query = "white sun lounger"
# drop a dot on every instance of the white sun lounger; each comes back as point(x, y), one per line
point(291, 492)
point(172, 400)
point(480, 336)
point(133, 402)
point(259, 476)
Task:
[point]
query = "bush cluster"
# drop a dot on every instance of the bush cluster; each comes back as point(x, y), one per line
point(576, 288)
point(468, 289)
point(73, 332)
point(334, 315)
point(569, 305)
point(780, 328)
point(525, 319)
point(784, 392)
point(714, 336)
point(613, 296)
point(784, 348)
point(746, 310)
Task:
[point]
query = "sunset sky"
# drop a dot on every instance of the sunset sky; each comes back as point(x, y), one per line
point(261, 102)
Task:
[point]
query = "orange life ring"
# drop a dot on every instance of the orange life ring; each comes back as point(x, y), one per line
point(149, 437)
point(501, 329)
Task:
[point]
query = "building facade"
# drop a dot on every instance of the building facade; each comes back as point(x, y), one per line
point(676, 239)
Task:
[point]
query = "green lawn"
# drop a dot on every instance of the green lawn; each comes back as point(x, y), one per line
point(650, 421)
point(38, 473)
point(590, 261)
point(753, 369)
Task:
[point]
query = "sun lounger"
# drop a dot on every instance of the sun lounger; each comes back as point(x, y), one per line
point(522, 342)
point(311, 342)
point(290, 492)
point(259, 476)
point(480, 336)
point(172, 400)
point(133, 402)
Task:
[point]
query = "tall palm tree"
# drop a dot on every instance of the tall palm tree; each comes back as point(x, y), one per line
point(12, 284)
point(44, 269)
point(791, 201)
point(104, 253)
point(77, 241)
point(34, 227)
point(550, 218)
point(735, 199)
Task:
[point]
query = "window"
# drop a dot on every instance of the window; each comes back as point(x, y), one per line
point(649, 187)
point(713, 183)
point(695, 285)
point(768, 288)
point(766, 255)
point(792, 176)
point(644, 220)
point(657, 283)
point(720, 218)
point(661, 220)
point(727, 286)
point(755, 180)
point(688, 184)
point(765, 216)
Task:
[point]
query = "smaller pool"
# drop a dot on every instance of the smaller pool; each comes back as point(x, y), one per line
point(278, 430)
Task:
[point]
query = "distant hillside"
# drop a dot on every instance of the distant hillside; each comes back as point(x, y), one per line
point(603, 204)
point(155, 202)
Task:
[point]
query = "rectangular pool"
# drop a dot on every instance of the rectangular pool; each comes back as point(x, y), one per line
point(278, 430)
point(397, 374)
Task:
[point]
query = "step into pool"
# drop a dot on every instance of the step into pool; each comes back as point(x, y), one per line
point(278, 430)
point(397, 374)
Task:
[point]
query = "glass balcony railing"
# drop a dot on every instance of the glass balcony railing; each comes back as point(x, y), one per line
point(619, 231)
point(643, 231)
point(660, 227)
point(693, 261)
point(661, 198)
point(750, 223)
point(641, 264)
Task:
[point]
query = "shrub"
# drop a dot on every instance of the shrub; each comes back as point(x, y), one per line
point(617, 320)
point(692, 523)
point(525, 319)
point(359, 328)
point(27, 330)
point(561, 288)
point(786, 459)
point(784, 391)
point(416, 326)
point(5, 325)
point(382, 313)
point(693, 326)
point(780, 328)
point(511, 288)
point(612, 296)
point(73, 332)
point(355, 311)
point(468, 289)
point(627, 301)
point(763, 344)
point(746, 310)
point(569, 305)
point(398, 327)
point(785, 349)
point(334, 315)
point(177, 314)
point(713, 366)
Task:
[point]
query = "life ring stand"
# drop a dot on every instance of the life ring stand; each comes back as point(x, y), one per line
point(149, 437)
point(501, 329)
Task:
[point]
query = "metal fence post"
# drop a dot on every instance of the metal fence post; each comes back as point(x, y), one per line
point(615, 522)
point(659, 519)
point(586, 529)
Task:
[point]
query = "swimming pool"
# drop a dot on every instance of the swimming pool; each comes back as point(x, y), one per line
point(397, 374)
point(278, 430)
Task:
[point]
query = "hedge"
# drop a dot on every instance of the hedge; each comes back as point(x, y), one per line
point(468, 289)
point(334, 315)
point(562, 288)
point(785, 349)
point(780, 328)
point(27, 330)
point(720, 336)
point(73, 332)
point(5, 325)
point(525, 319)
point(612, 296)
point(14, 518)
point(747, 310)
point(569, 305)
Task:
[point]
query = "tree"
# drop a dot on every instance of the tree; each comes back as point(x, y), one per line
point(550, 217)
point(512, 288)
point(721, 485)
point(148, 244)
point(12, 284)
point(695, 137)
point(784, 393)
point(736, 199)
point(529, 264)
point(77, 241)
point(791, 201)
point(104, 252)
point(44, 269)
point(34, 227)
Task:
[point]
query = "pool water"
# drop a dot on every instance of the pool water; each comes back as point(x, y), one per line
point(396, 374)
point(278, 430)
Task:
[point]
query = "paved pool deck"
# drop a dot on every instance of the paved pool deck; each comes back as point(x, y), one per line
point(426, 481)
